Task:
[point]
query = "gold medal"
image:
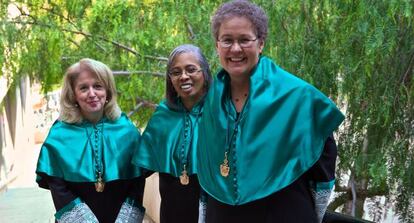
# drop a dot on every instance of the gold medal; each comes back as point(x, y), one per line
point(184, 179)
point(99, 185)
point(224, 170)
point(224, 167)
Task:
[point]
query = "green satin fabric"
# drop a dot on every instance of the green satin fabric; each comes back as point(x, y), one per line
point(161, 144)
point(281, 134)
point(67, 152)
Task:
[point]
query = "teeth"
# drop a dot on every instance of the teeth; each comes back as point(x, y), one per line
point(185, 86)
point(236, 59)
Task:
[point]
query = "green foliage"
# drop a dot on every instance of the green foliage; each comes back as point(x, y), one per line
point(359, 53)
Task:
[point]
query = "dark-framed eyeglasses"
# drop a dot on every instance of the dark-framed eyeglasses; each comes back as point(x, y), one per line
point(192, 71)
point(243, 42)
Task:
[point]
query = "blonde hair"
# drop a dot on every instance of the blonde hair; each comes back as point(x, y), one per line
point(69, 109)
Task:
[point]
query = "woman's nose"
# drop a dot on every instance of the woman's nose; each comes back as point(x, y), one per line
point(235, 46)
point(91, 92)
point(184, 76)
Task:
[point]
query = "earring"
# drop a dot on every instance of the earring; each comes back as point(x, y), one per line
point(76, 105)
point(106, 102)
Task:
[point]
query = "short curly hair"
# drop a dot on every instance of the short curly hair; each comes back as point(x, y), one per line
point(241, 8)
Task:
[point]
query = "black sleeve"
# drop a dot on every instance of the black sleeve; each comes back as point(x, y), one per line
point(136, 189)
point(61, 195)
point(324, 169)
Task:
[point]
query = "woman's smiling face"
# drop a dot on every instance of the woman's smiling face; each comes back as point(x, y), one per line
point(238, 61)
point(188, 79)
point(90, 94)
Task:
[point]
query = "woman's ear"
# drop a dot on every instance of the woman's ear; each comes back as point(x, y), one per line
point(261, 46)
point(217, 50)
point(108, 97)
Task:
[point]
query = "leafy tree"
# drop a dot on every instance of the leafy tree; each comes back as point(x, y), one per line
point(134, 38)
point(360, 53)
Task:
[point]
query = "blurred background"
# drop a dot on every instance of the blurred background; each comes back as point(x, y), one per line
point(359, 53)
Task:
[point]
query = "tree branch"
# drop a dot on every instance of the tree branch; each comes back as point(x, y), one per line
point(409, 68)
point(126, 73)
point(339, 188)
point(190, 29)
point(136, 108)
point(73, 42)
point(117, 44)
point(51, 11)
point(147, 103)
point(338, 201)
point(142, 103)
point(156, 58)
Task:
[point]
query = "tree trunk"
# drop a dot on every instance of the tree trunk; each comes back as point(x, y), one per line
point(359, 187)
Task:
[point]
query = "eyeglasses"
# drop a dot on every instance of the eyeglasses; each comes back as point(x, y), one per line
point(243, 43)
point(191, 71)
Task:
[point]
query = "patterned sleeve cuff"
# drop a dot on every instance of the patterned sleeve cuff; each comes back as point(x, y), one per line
point(321, 192)
point(202, 207)
point(130, 211)
point(75, 211)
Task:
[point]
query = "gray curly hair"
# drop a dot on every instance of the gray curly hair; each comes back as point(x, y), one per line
point(241, 8)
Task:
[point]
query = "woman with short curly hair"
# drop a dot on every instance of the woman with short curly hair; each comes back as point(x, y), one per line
point(266, 151)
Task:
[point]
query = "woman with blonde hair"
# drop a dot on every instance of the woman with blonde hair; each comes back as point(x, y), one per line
point(85, 160)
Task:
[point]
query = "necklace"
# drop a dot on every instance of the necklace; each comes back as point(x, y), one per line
point(184, 179)
point(97, 153)
point(230, 138)
point(225, 167)
point(186, 145)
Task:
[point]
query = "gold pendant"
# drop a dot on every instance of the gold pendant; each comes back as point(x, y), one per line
point(224, 167)
point(99, 185)
point(184, 179)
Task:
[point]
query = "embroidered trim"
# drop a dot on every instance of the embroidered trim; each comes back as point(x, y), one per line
point(321, 199)
point(202, 209)
point(130, 213)
point(80, 213)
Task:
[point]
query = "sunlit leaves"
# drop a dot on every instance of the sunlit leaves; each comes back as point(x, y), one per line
point(359, 53)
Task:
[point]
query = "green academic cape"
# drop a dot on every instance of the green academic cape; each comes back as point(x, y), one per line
point(278, 136)
point(70, 150)
point(170, 140)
